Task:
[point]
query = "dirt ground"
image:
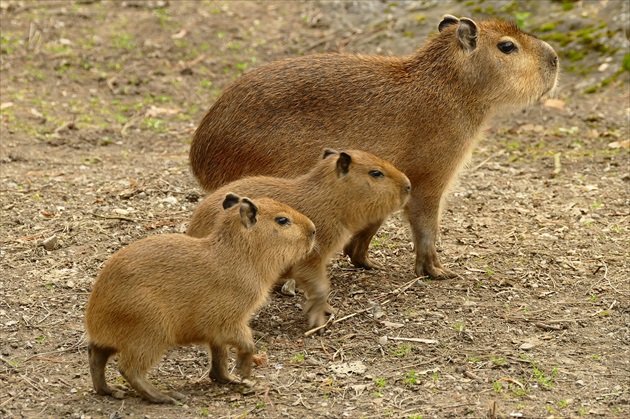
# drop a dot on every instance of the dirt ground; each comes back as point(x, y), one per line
point(99, 101)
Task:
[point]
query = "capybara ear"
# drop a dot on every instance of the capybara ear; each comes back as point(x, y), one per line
point(231, 199)
point(343, 164)
point(328, 152)
point(467, 34)
point(447, 20)
point(248, 213)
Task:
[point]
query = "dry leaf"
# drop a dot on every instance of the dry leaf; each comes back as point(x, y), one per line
point(554, 104)
point(180, 34)
point(156, 111)
point(619, 144)
point(260, 359)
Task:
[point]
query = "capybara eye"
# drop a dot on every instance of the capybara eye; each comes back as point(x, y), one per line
point(506, 47)
point(376, 174)
point(283, 221)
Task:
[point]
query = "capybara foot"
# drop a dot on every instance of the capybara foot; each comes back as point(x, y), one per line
point(179, 397)
point(364, 262)
point(316, 312)
point(224, 378)
point(436, 273)
point(359, 257)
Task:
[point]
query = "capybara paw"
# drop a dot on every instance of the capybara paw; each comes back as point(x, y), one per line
point(116, 390)
point(179, 397)
point(224, 378)
point(364, 262)
point(435, 273)
point(248, 382)
point(316, 318)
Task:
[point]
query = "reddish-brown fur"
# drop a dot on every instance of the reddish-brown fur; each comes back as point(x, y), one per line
point(171, 290)
point(342, 194)
point(423, 112)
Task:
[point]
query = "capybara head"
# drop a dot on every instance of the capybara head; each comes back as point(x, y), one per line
point(266, 224)
point(368, 186)
point(502, 64)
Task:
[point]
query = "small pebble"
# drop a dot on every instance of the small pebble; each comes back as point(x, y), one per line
point(377, 312)
point(382, 340)
point(117, 394)
point(50, 243)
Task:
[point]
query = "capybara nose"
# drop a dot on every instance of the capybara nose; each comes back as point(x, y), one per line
point(552, 56)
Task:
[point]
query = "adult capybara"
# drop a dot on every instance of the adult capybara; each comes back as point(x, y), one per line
point(344, 193)
point(170, 290)
point(423, 113)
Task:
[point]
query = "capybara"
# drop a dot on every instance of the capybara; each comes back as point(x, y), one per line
point(173, 289)
point(423, 113)
point(344, 193)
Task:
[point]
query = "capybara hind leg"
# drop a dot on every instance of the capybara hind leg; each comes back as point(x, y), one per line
point(424, 216)
point(134, 367)
point(357, 248)
point(219, 370)
point(98, 357)
point(145, 389)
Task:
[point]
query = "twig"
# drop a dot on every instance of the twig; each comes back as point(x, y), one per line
point(64, 126)
point(7, 401)
point(115, 217)
point(131, 121)
point(268, 400)
point(6, 361)
point(418, 340)
point(556, 164)
point(23, 377)
point(544, 326)
point(324, 348)
point(605, 277)
point(511, 380)
point(472, 376)
point(399, 290)
point(73, 347)
point(58, 361)
point(490, 157)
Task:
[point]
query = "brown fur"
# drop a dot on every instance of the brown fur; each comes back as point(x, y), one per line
point(171, 290)
point(423, 112)
point(341, 202)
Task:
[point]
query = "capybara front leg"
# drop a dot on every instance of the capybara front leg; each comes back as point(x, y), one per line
point(357, 248)
point(312, 277)
point(424, 217)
